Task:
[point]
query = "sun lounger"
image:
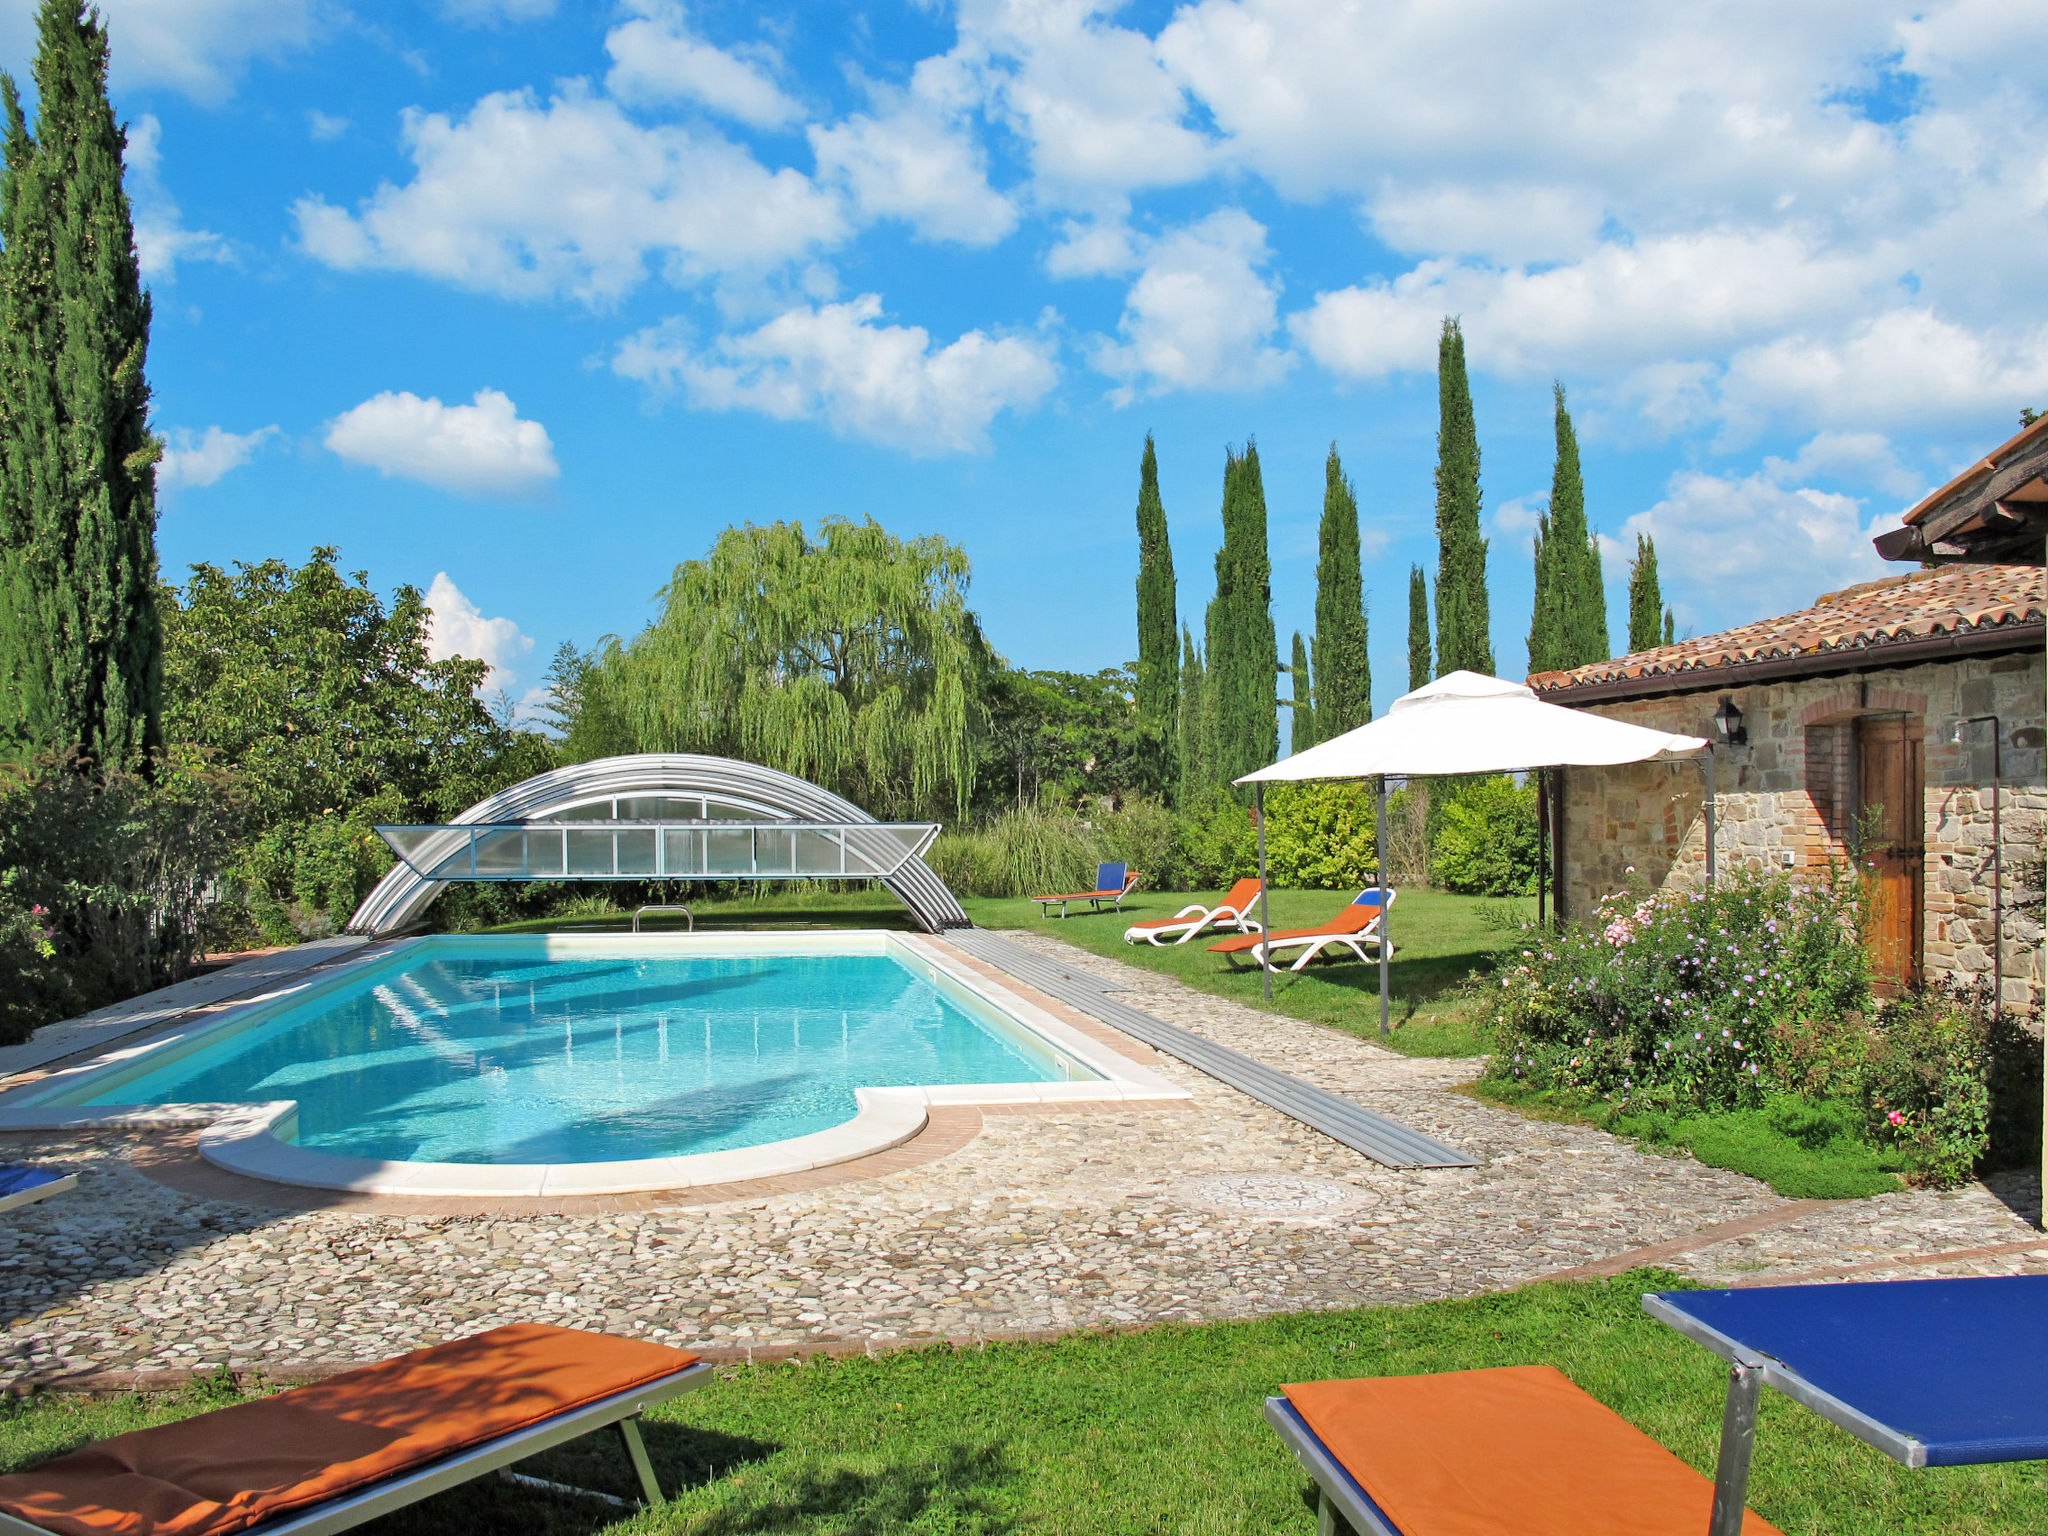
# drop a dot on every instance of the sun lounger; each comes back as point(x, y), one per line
point(1515, 1448)
point(1233, 911)
point(1113, 882)
point(25, 1186)
point(329, 1456)
point(1355, 930)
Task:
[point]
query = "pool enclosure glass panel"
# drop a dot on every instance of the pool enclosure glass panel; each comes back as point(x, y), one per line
point(577, 847)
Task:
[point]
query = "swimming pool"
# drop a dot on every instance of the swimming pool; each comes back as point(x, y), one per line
point(714, 1057)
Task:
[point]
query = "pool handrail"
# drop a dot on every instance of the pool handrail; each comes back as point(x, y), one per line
point(690, 918)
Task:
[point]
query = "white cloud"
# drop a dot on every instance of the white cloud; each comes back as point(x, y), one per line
point(201, 47)
point(1623, 304)
point(1200, 313)
point(1855, 458)
point(1097, 247)
point(655, 58)
point(200, 458)
point(1730, 549)
point(1899, 368)
point(528, 201)
point(161, 239)
point(482, 449)
point(497, 12)
point(1501, 224)
point(324, 129)
point(457, 627)
point(913, 159)
point(884, 383)
point(1098, 112)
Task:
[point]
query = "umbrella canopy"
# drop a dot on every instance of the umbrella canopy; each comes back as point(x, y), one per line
point(1466, 722)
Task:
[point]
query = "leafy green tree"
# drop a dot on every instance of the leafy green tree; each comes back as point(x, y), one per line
point(1648, 622)
point(1066, 736)
point(1463, 623)
point(1197, 774)
point(1243, 653)
point(850, 659)
point(1158, 625)
point(326, 705)
point(1568, 626)
point(109, 882)
point(1419, 672)
point(1304, 727)
point(1343, 699)
point(80, 655)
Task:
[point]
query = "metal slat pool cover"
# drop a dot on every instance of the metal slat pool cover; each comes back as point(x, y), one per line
point(1960, 1365)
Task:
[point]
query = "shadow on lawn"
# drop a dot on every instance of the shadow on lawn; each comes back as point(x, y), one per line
point(948, 1491)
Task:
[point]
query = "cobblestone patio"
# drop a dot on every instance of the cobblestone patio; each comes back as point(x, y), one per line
point(1212, 1207)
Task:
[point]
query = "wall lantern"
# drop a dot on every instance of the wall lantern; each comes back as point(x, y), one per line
point(1728, 726)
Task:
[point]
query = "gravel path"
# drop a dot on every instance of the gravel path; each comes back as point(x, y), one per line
point(1213, 1207)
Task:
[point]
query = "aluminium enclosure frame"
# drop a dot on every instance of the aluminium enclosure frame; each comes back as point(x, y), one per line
point(767, 794)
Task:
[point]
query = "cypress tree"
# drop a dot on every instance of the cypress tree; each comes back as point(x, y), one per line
point(1670, 627)
point(1568, 626)
point(1648, 620)
point(1243, 652)
point(1158, 626)
point(1418, 628)
point(1343, 667)
point(1545, 621)
point(1195, 776)
point(1463, 624)
point(80, 646)
point(1305, 724)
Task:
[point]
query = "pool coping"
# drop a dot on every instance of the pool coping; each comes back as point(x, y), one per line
point(251, 1138)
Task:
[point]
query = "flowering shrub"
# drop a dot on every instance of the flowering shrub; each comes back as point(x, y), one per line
point(1682, 998)
point(1756, 997)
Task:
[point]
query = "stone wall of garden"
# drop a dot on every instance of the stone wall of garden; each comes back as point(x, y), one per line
point(1788, 800)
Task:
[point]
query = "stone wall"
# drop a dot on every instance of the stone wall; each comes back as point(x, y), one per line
point(1789, 800)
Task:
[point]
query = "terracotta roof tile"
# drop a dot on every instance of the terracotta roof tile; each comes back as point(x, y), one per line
point(1920, 605)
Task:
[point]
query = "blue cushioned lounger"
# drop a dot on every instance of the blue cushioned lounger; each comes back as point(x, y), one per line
point(24, 1186)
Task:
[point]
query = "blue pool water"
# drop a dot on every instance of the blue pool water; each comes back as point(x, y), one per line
point(521, 1058)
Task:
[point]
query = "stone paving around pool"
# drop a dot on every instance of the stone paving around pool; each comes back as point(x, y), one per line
point(1211, 1207)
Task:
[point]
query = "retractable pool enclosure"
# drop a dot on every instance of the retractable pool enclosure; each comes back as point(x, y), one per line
point(659, 816)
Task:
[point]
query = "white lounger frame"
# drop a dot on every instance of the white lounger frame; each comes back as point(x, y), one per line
point(622, 1409)
point(1198, 918)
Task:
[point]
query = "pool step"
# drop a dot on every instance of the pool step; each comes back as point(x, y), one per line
point(1383, 1140)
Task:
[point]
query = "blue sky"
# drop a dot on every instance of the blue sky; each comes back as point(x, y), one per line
point(523, 301)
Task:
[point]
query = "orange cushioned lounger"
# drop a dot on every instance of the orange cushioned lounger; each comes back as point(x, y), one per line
point(1354, 918)
point(1513, 1451)
point(316, 1457)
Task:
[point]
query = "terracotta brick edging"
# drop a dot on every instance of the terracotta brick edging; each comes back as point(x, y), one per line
point(1706, 1237)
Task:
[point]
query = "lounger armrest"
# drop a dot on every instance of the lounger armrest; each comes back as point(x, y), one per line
point(1197, 910)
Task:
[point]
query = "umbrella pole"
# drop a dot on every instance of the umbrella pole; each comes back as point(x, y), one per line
point(1386, 906)
point(1265, 906)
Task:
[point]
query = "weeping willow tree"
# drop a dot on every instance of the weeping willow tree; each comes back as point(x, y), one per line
point(849, 659)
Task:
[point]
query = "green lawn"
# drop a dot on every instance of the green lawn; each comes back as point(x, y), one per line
point(1803, 1151)
point(1438, 941)
point(1156, 1432)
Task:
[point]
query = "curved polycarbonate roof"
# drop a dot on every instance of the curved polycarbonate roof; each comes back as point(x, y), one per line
point(734, 787)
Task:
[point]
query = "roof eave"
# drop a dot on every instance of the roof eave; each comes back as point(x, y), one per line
point(2018, 635)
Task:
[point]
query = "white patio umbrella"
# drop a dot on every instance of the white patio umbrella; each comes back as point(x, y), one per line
point(1464, 722)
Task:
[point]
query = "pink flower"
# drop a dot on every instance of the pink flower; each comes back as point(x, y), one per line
point(1896, 1118)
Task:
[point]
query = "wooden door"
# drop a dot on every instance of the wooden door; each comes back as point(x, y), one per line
point(1894, 848)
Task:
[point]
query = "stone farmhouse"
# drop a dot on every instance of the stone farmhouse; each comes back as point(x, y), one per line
point(1894, 722)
